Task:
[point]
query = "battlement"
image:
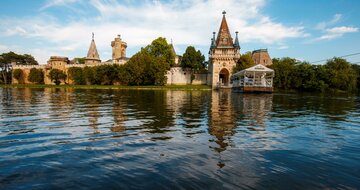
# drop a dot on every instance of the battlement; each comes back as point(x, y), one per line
point(29, 66)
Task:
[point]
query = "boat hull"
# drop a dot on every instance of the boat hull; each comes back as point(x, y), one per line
point(254, 89)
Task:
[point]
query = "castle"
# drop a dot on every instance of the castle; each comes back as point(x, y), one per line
point(223, 55)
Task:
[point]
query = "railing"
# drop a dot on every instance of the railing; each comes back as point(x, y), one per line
point(252, 82)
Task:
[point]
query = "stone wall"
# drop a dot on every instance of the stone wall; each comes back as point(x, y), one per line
point(180, 76)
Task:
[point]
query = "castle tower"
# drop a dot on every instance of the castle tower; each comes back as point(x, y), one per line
point(118, 50)
point(92, 55)
point(177, 57)
point(261, 56)
point(223, 55)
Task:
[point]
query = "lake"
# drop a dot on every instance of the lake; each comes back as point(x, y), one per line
point(67, 138)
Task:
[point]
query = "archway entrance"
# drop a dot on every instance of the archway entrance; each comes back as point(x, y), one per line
point(224, 77)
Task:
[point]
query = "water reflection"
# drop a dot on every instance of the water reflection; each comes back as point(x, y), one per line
point(69, 138)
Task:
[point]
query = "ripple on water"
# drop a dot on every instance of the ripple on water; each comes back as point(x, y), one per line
point(109, 139)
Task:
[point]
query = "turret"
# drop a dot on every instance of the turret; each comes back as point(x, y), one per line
point(236, 43)
point(118, 50)
point(213, 44)
point(92, 55)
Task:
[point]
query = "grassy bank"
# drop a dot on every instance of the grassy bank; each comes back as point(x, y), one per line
point(167, 87)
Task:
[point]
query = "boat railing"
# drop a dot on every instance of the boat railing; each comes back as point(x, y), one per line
point(253, 82)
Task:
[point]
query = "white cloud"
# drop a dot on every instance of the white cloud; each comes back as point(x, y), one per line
point(323, 25)
point(18, 30)
point(342, 30)
point(54, 3)
point(188, 22)
point(283, 47)
point(337, 32)
point(334, 32)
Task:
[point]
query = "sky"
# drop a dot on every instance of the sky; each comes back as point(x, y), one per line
point(307, 30)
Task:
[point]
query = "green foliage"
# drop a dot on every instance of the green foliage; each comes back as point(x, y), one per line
point(244, 62)
point(36, 76)
point(106, 74)
point(18, 75)
point(160, 49)
point(76, 74)
point(193, 59)
point(56, 76)
point(357, 70)
point(336, 74)
point(7, 58)
point(341, 75)
point(79, 60)
point(145, 69)
point(89, 75)
point(11, 57)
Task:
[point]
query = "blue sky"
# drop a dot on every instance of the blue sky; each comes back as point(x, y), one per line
point(307, 29)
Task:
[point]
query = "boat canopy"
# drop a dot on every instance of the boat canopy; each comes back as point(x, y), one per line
point(255, 69)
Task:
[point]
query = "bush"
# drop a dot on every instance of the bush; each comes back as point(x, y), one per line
point(77, 75)
point(36, 76)
point(19, 75)
point(56, 76)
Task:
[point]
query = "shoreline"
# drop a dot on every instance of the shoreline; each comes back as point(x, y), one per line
point(166, 87)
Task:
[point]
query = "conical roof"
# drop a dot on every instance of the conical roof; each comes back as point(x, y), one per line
point(224, 36)
point(172, 48)
point(93, 53)
point(236, 43)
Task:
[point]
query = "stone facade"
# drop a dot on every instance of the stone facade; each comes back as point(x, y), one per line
point(223, 55)
point(119, 50)
point(62, 63)
point(261, 56)
point(92, 55)
point(180, 76)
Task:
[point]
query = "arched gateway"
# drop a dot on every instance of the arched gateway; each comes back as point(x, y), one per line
point(224, 77)
point(223, 55)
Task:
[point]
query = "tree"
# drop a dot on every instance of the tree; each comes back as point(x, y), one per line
point(5, 70)
point(341, 75)
point(6, 59)
point(284, 71)
point(36, 76)
point(12, 57)
point(357, 69)
point(244, 62)
point(19, 75)
point(89, 75)
point(79, 60)
point(77, 75)
point(159, 48)
point(145, 69)
point(193, 59)
point(56, 76)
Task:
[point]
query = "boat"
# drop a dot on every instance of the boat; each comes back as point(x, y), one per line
point(254, 79)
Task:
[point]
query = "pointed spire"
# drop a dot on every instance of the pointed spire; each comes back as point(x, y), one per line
point(213, 45)
point(224, 36)
point(236, 43)
point(93, 53)
point(172, 47)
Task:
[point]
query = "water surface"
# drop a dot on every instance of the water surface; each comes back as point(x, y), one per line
point(158, 139)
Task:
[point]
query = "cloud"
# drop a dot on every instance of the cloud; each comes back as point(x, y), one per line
point(55, 3)
point(323, 25)
point(337, 32)
point(187, 22)
point(18, 30)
